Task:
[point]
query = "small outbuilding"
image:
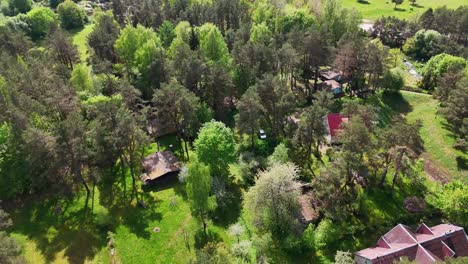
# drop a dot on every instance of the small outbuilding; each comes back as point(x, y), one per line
point(333, 87)
point(330, 74)
point(159, 165)
point(333, 123)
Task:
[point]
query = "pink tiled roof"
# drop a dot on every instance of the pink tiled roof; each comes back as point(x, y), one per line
point(426, 245)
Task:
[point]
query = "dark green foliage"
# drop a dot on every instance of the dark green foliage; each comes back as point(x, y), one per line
point(71, 15)
point(20, 6)
point(166, 33)
point(103, 36)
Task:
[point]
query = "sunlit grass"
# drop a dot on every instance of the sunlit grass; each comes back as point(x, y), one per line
point(373, 9)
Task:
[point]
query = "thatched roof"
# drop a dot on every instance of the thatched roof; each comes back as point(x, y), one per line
point(159, 164)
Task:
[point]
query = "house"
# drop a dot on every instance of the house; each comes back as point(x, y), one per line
point(333, 87)
point(328, 75)
point(159, 165)
point(333, 123)
point(424, 246)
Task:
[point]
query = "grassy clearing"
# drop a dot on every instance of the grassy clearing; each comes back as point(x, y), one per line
point(80, 39)
point(48, 236)
point(373, 9)
point(438, 140)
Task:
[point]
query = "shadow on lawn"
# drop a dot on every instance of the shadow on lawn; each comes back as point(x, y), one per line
point(462, 163)
point(54, 230)
point(229, 210)
point(396, 102)
point(201, 239)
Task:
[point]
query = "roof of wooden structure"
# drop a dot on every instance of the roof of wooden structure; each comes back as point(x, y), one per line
point(159, 164)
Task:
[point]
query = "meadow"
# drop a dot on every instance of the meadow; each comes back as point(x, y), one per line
point(374, 9)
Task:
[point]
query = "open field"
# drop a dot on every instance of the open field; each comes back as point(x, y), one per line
point(374, 9)
point(438, 140)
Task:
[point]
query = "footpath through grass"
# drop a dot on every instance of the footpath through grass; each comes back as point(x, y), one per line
point(438, 140)
point(80, 39)
point(373, 9)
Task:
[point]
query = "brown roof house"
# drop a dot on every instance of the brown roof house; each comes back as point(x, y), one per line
point(158, 165)
point(426, 245)
point(331, 74)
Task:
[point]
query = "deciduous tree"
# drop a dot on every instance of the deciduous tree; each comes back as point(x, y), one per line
point(273, 202)
point(198, 191)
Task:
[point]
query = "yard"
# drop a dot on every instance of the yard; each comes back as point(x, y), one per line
point(374, 9)
point(442, 161)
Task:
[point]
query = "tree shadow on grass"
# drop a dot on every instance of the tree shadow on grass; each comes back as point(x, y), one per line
point(417, 5)
point(396, 102)
point(54, 230)
point(364, 2)
point(228, 213)
point(462, 163)
point(201, 239)
point(399, 9)
point(137, 218)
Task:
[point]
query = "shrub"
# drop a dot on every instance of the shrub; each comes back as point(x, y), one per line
point(392, 80)
point(41, 19)
point(71, 15)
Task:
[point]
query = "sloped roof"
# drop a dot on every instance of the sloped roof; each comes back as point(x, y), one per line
point(426, 245)
point(334, 122)
point(159, 164)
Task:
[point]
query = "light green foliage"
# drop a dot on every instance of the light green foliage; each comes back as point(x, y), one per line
point(215, 146)
point(242, 250)
point(81, 79)
point(453, 202)
point(146, 54)
point(325, 234)
point(263, 12)
point(392, 80)
point(132, 39)
point(437, 66)
point(10, 252)
point(344, 257)
point(41, 19)
point(71, 15)
point(296, 19)
point(212, 44)
point(182, 37)
point(338, 20)
point(198, 190)
point(260, 33)
point(280, 155)
point(182, 31)
point(273, 202)
point(377, 9)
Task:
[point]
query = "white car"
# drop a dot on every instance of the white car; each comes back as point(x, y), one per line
point(261, 134)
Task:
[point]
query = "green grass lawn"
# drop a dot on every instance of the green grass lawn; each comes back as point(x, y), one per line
point(373, 9)
point(80, 39)
point(66, 237)
point(438, 140)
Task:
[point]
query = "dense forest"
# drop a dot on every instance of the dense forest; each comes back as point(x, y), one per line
point(240, 84)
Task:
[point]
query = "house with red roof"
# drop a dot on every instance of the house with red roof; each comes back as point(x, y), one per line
point(426, 245)
point(333, 124)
